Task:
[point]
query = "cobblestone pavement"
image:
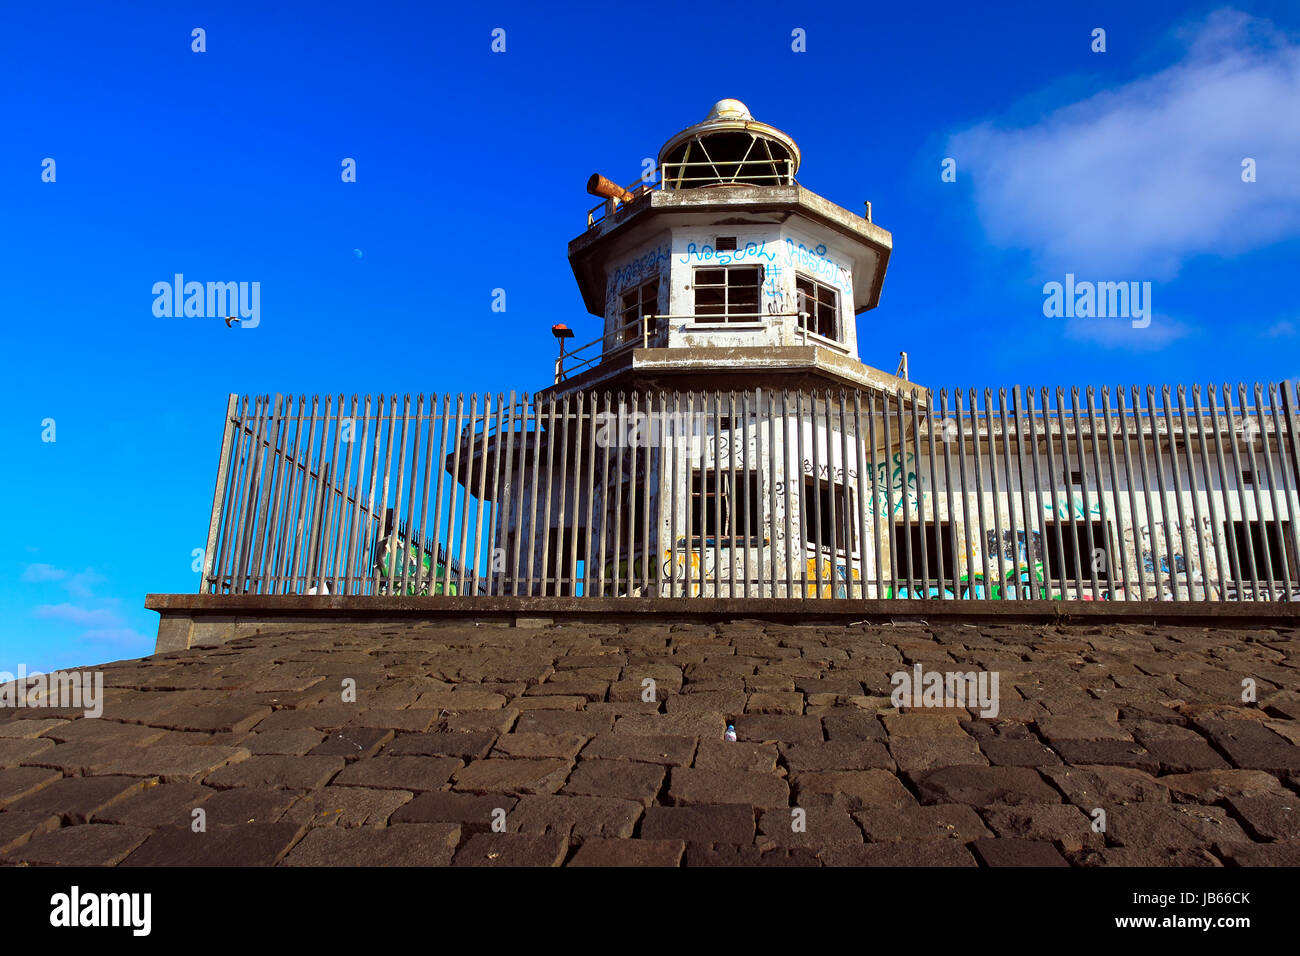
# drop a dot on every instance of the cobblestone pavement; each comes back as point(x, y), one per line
point(470, 745)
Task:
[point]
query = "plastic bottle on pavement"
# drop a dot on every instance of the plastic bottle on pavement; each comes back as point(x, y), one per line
point(731, 733)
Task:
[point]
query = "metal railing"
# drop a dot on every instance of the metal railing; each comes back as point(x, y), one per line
point(743, 172)
point(590, 354)
point(1132, 494)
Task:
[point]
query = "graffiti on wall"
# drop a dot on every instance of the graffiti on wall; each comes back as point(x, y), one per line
point(704, 252)
point(816, 263)
point(1067, 508)
point(638, 270)
point(893, 477)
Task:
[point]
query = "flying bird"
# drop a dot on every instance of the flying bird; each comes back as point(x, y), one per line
point(229, 319)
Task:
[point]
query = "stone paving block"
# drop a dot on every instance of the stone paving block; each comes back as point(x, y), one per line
point(602, 852)
point(1179, 857)
point(157, 805)
point(324, 717)
point(927, 725)
point(1091, 787)
point(1056, 729)
point(254, 844)
point(1105, 752)
point(729, 854)
point(1210, 786)
point(296, 742)
point(353, 743)
point(22, 728)
point(457, 702)
point(406, 844)
point(1260, 854)
point(169, 763)
point(512, 849)
point(1170, 825)
point(212, 718)
point(688, 785)
point(666, 749)
point(539, 745)
point(346, 807)
point(915, 754)
point(814, 827)
point(1018, 752)
point(706, 726)
point(899, 854)
point(17, 827)
point(849, 789)
point(480, 721)
point(983, 786)
point(466, 746)
point(728, 823)
point(575, 815)
point(1064, 824)
point(291, 773)
point(18, 782)
point(838, 754)
point(590, 690)
point(1268, 816)
point(775, 703)
point(475, 813)
point(779, 728)
point(245, 805)
point(493, 775)
point(1014, 852)
point(564, 722)
point(626, 780)
point(408, 721)
point(526, 704)
point(1250, 745)
point(399, 773)
point(741, 755)
point(15, 751)
point(945, 821)
point(78, 799)
point(852, 724)
point(90, 844)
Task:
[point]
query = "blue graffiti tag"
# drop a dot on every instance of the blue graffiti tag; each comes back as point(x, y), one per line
point(706, 253)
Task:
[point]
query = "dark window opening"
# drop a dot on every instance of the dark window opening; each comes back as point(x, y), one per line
point(727, 294)
point(815, 515)
point(1076, 478)
point(714, 496)
point(564, 571)
point(819, 301)
point(1247, 477)
point(637, 304)
point(1266, 537)
point(938, 541)
point(1078, 561)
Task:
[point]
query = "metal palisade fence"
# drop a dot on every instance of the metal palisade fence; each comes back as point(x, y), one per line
point(1152, 493)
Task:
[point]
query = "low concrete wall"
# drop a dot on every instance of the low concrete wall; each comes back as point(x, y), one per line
point(187, 620)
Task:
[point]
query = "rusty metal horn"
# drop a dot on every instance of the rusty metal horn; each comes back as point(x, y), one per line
point(598, 185)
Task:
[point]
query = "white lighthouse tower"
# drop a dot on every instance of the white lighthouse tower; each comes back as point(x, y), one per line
point(724, 275)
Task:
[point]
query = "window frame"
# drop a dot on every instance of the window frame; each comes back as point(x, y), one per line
point(815, 314)
point(650, 288)
point(726, 317)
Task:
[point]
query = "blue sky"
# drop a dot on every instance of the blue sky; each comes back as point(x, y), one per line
point(471, 165)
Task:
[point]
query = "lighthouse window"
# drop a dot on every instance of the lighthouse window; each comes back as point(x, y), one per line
point(637, 304)
point(739, 505)
point(727, 294)
point(819, 301)
point(819, 499)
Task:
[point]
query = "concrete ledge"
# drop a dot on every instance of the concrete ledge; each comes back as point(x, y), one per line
point(191, 619)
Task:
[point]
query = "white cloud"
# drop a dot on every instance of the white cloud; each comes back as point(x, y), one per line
point(1279, 330)
point(77, 615)
point(35, 573)
point(1120, 333)
point(1132, 182)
